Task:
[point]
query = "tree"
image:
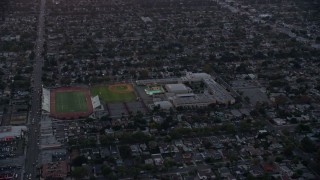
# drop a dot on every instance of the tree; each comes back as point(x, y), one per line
point(247, 99)
point(168, 163)
point(78, 161)
point(21, 84)
point(302, 99)
point(318, 40)
point(207, 68)
point(279, 159)
point(209, 160)
point(229, 128)
point(244, 126)
point(280, 100)
point(287, 150)
point(139, 121)
point(106, 170)
point(242, 68)
point(105, 118)
point(249, 176)
point(207, 144)
point(121, 170)
point(148, 167)
point(278, 83)
point(99, 34)
point(79, 172)
point(298, 173)
point(106, 140)
point(293, 121)
point(137, 137)
point(154, 125)
point(307, 145)
point(156, 108)
point(302, 128)
point(125, 152)
point(65, 80)
point(318, 155)
point(32, 55)
point(144, 74)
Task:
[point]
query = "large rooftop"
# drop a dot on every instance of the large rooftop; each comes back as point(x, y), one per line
point(177, 88)
point(11, 131)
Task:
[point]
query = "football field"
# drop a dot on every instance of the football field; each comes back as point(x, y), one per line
point(72, 101)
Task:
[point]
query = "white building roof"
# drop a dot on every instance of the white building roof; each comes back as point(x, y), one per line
point(219, 93)
point(193, 100)
point(279, 121)
point(7, 131)
point(176, 87)
point(196, 76)
point(163, 104)
point(158, 81)
point(185, 95)
point(146, 19)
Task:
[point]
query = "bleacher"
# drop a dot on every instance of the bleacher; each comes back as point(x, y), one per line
point(96, 103)
point(158, 81)
point(46, 99)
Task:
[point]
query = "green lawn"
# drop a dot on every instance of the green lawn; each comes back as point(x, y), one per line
point(106, 95)
point(74, 101)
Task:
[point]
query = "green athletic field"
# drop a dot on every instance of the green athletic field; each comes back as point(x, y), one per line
point(108, 95)
point(74, 101)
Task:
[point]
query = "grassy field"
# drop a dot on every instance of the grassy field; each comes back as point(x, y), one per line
point(114, 94)
point(74, 101)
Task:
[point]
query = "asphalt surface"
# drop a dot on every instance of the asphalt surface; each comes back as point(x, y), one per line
point(32, 150)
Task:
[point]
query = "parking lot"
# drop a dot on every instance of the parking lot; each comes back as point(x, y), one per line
point(49, 155)
point(251, 89)
point(136, 106)
point(117, 109)
point(11, 148)
point(10, 172)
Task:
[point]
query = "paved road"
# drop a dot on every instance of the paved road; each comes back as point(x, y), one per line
point(35, 112)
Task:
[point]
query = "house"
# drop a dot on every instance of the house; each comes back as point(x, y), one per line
point(157, 159)
point(205, 174)
point(285, 170)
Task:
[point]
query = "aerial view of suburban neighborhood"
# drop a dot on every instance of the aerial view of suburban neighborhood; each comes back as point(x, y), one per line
point(159, 89)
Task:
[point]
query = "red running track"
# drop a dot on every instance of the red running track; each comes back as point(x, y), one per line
point(70, 115)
